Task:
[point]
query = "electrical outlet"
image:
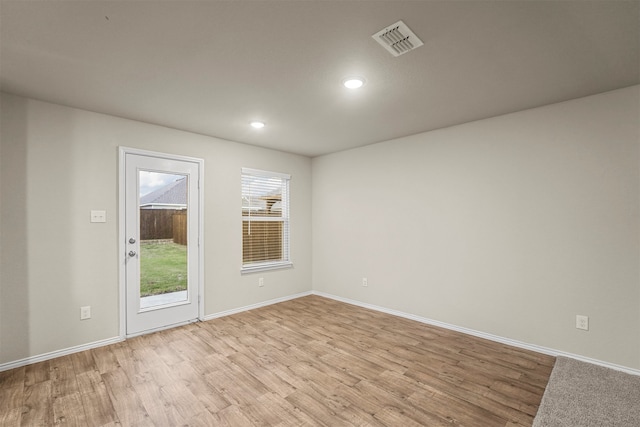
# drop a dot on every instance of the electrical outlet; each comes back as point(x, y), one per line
point(365, 282)
point(582, 322)
point(261, 282)
point(85, 312)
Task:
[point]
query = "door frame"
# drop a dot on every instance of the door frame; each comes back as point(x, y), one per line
point(122, 240)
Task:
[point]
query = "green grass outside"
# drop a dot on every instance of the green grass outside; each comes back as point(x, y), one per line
point(163, 268)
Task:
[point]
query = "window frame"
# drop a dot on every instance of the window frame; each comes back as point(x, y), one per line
point(285, 219)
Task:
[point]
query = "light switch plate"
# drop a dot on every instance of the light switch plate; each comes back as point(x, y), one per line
point(98, 216)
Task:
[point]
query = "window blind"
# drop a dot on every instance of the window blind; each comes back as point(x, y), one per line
point(265, 220)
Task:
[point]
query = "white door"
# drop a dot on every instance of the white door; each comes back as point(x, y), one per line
point(160, 242)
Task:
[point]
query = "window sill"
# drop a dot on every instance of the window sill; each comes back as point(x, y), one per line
point(255, 268)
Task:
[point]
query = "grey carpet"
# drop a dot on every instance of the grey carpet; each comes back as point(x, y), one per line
point(583, 395)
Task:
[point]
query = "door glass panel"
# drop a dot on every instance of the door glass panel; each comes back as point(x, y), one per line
point(163, 239)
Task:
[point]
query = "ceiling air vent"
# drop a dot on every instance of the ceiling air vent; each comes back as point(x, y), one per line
point(397, 39)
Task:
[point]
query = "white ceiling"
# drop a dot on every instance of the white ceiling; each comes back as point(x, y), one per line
point(210, 67)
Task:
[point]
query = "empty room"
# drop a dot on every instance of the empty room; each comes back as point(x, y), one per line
point(339, 213)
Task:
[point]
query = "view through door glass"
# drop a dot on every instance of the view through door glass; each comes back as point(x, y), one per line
point(163, 239)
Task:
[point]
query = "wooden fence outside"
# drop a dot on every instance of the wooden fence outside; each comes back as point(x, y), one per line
point(180, 227)
point(158, 224)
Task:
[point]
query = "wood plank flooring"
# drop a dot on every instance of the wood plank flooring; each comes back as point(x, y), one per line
point(308, 361)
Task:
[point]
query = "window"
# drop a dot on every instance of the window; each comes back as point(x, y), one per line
point(265, 220)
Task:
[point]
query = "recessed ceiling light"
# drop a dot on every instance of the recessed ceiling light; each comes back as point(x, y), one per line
point(257, 124)
point(353, 82)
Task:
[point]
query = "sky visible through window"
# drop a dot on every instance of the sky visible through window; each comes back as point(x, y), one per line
point(151, 181)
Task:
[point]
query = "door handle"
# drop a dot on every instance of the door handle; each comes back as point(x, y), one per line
point(132, 253)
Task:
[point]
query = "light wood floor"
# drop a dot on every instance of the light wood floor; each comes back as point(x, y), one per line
point(309, 361)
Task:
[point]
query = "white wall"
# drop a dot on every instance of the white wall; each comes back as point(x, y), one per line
point(509, 226)
point(57, 164)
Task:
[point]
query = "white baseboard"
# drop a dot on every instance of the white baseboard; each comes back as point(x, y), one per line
point(83, 347)
point(255, 306)
point(58, 353)
point(491, 337)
